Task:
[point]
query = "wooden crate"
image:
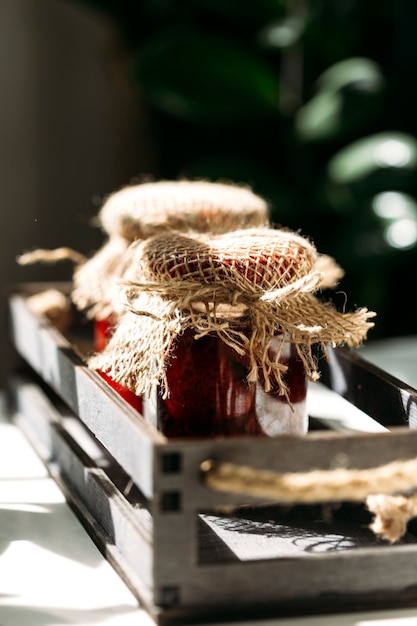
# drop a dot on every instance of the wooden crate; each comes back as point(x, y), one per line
point(188, 552)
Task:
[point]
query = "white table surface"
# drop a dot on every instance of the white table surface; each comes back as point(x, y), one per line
point(51, 573)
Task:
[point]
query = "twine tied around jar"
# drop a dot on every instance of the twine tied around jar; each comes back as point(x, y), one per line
point(265, 277)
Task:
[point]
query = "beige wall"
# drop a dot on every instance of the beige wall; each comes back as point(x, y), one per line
point(71, 129)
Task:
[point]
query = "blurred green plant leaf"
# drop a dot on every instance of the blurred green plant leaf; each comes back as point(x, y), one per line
point(384, 228)
point(397, 215)
point(203, 78)
point(393, 154)
point(283, 33)
point(321, 118)
point(348, 97)
point(359, 72)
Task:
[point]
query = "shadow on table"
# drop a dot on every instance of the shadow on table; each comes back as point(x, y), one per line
point(50, 527)
point(44, 616)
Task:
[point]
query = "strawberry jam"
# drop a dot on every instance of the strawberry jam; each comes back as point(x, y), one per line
point(103, 330)
point(134, 400)
point(210, 396)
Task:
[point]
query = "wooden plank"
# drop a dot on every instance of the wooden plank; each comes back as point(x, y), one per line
point(318, 450)
point(282, 582)
point(126, 435)
point(379, 394)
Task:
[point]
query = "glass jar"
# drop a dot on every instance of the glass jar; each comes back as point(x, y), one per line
point(211, 397)
point(103, 331)
point(201, 315)
point(292, 410)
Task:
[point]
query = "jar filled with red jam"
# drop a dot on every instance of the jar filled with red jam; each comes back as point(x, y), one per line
point(210, 395)
point(219, 331)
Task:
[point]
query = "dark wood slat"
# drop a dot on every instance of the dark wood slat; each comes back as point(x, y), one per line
point(383, 397)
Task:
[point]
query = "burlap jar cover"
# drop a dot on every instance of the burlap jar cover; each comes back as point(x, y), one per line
point(139, 211)
point(206, 282)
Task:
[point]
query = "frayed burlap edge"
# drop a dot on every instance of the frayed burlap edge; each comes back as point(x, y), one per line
point(95, 288)
point(142, 210)
point(138, 353)
point(393, 512)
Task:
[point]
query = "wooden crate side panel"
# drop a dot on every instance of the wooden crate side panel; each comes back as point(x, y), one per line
point(130, 542)
point(27, 401)
point(185, 584)
point(181, 580)
point(182, 583)
point(318, 450)
point(294, 584)
point(115, 424)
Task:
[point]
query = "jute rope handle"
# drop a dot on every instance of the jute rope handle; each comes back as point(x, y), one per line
point(378, 487)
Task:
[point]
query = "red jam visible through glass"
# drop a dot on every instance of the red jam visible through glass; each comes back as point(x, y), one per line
point(210, 396)
point(126, 394)
point(103, 330)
